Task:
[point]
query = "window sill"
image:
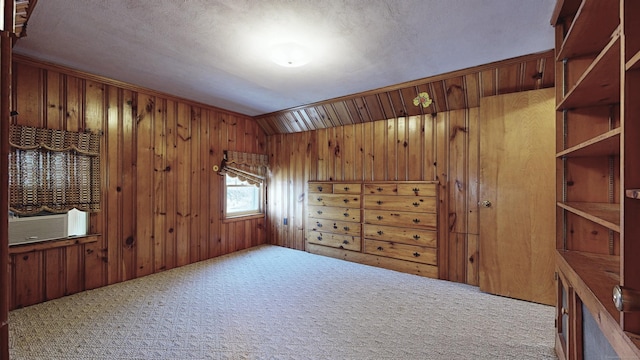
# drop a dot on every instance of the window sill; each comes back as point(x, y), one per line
point(52, 244)
point(242, 218)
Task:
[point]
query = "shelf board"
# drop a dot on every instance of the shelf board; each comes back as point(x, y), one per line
point(601, 145)
point(588, 32)
point(605, 214)
point(600, 83)
point(633, 63)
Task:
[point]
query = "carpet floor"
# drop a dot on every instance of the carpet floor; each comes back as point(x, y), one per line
point(270, 302)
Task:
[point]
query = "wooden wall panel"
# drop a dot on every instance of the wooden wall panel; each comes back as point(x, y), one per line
point(161, 203)
point(111, 152)
point(473, 192)
point(127, 186)
point(422, 147)
point(145, 116)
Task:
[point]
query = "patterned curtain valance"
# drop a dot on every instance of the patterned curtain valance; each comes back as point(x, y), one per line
point(53, 170)
point(249, 159)
point(248, 167)
point(31, 138)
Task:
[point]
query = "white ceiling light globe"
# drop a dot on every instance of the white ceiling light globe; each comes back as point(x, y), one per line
point(290, 55)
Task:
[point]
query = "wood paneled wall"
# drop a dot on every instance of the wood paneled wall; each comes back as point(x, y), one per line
point(161, 204)
point(456, 90)
point(443, 147)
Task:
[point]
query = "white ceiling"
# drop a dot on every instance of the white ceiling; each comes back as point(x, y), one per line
point(216, 51)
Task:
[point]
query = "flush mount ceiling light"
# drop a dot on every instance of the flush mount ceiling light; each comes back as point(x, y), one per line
point(290, 55)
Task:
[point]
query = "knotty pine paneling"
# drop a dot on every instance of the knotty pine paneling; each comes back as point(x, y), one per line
point(457, 90)
point(424, 147)
point(161, 200)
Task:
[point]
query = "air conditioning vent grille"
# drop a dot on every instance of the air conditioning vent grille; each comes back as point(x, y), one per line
point(37, 228)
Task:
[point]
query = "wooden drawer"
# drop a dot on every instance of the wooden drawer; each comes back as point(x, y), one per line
point(336, 200)
point(381, 189)
point(335, 227)
point(334, 213)
point(401, 203)
point(334, 240)
point(419, 189)
point(410, 236)
point(421, 254)
point(401, 218)
point(347, 188)
point(321, 188)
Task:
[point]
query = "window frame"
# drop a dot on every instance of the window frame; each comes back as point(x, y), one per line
point(243, 215)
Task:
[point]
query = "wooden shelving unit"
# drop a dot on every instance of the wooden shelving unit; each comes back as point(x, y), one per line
point(607, 215)
point(634, 62)
point(583, 38)
point(603, 75)
point(601, 145)
point(598, 119)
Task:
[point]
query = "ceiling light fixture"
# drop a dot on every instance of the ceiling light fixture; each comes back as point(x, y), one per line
point(290, 55)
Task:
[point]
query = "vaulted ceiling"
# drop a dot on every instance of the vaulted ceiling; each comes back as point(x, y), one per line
point(369, 57)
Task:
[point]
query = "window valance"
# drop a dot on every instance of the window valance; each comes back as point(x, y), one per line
point(53, 170)
point(248, 167)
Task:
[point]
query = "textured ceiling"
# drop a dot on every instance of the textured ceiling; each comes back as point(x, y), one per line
point(216, 51)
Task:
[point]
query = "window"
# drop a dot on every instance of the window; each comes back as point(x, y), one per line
point(244, 177)
point(53, 171)
point(242, 198)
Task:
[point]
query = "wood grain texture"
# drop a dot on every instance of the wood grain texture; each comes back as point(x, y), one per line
point(517, 166)
point(593, 276)
point(452, 91)
point(379, 261)
point(421, 143)
point(161, 199)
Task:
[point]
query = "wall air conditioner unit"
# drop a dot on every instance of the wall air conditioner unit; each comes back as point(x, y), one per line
point(37, 228)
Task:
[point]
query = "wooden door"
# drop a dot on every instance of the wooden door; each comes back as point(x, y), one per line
point(517, 195)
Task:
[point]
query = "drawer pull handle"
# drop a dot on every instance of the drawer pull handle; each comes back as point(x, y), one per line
point(416, 254)
point(416, 236)
point(346, 242)
point(380, 232)
point(379, 202)
point(379, 189)
point(416, 189)
point(346, 214)
point(319, 238)
point(319, 199)
point(346, 228)
point(380, 248)
point(319, 188)
point(319, 225)
point(346, 188)
point(416, 204)
point(416, 220)
point(379, 217)
point(320, 212)
point(346, 201)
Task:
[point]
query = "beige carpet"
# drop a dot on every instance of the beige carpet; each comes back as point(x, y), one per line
point(270, 302)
